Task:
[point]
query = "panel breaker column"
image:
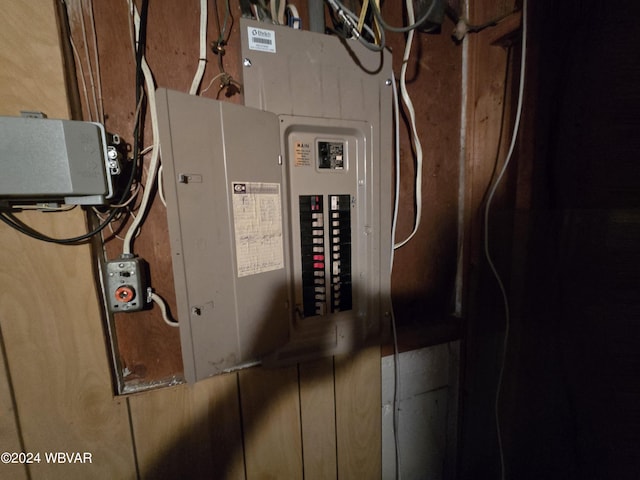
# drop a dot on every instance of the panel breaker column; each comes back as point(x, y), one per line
point(340, 240)
point(312, 241)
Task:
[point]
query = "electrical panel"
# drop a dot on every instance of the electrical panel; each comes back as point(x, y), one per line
point(279, 212)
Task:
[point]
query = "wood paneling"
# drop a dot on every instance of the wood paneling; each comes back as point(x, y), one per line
point(56, 353)
point(31, 77)
point(189, 431)
point(9, 429)
point(358, 414)
point(491, 83)
point(318, 418)
point(271, 423)
point(49, 313)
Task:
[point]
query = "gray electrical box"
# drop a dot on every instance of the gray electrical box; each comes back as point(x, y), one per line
point(334, 103)
point(47, 160)
point(280, 215)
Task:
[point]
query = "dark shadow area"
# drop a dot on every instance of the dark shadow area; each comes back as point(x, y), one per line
point(569, 406)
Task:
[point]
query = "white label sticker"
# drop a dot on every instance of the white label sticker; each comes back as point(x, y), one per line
point(302, 154)
point(257, 215)
point(261, 39)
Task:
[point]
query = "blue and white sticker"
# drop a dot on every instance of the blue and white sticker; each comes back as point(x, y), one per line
point(261, 39)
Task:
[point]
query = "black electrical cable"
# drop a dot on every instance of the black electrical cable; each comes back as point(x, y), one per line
point(479, 27)
point(222, 30)
point(140, 48)
point(13, 222)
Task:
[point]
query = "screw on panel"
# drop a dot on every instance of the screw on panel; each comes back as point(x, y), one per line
point(196, 311)
point(246, 62)
point(388, 82)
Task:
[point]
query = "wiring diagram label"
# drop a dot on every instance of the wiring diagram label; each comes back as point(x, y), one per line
point(261, 39)
point(257, 215)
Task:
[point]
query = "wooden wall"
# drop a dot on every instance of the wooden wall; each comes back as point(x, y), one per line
point(491, 83)
point(319, 420)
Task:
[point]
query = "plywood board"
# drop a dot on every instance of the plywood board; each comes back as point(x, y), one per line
point(358, 419)
point(49, 314)
point(271, 423)
point(488, 123)
point(56, 354)
point(424, 269)
point(189, 431)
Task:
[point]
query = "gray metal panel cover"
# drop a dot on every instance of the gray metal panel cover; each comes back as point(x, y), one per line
point(226, 317)
point(51, 159)
point(318, 84)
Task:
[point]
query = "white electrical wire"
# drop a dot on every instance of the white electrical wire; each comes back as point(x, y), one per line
point(95, 52)
point(219, 75)
point(202, 63)
point(487, 211)
point(132, 196)
point(158, 300)
point(154, 162)
point(294, 20)
point(161, 187)
point(277, 11)
point(83, 81)
point(396, 134)
point(416, 139)
point(396, 353)
point(86, 51)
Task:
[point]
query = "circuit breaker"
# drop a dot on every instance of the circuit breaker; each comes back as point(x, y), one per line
point(279, 212)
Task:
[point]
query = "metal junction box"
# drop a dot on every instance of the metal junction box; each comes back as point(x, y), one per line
point(53, 160)
point(280, 211)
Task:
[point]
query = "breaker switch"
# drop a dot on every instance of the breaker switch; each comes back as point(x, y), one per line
point(340, 266)
point(312, 241)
